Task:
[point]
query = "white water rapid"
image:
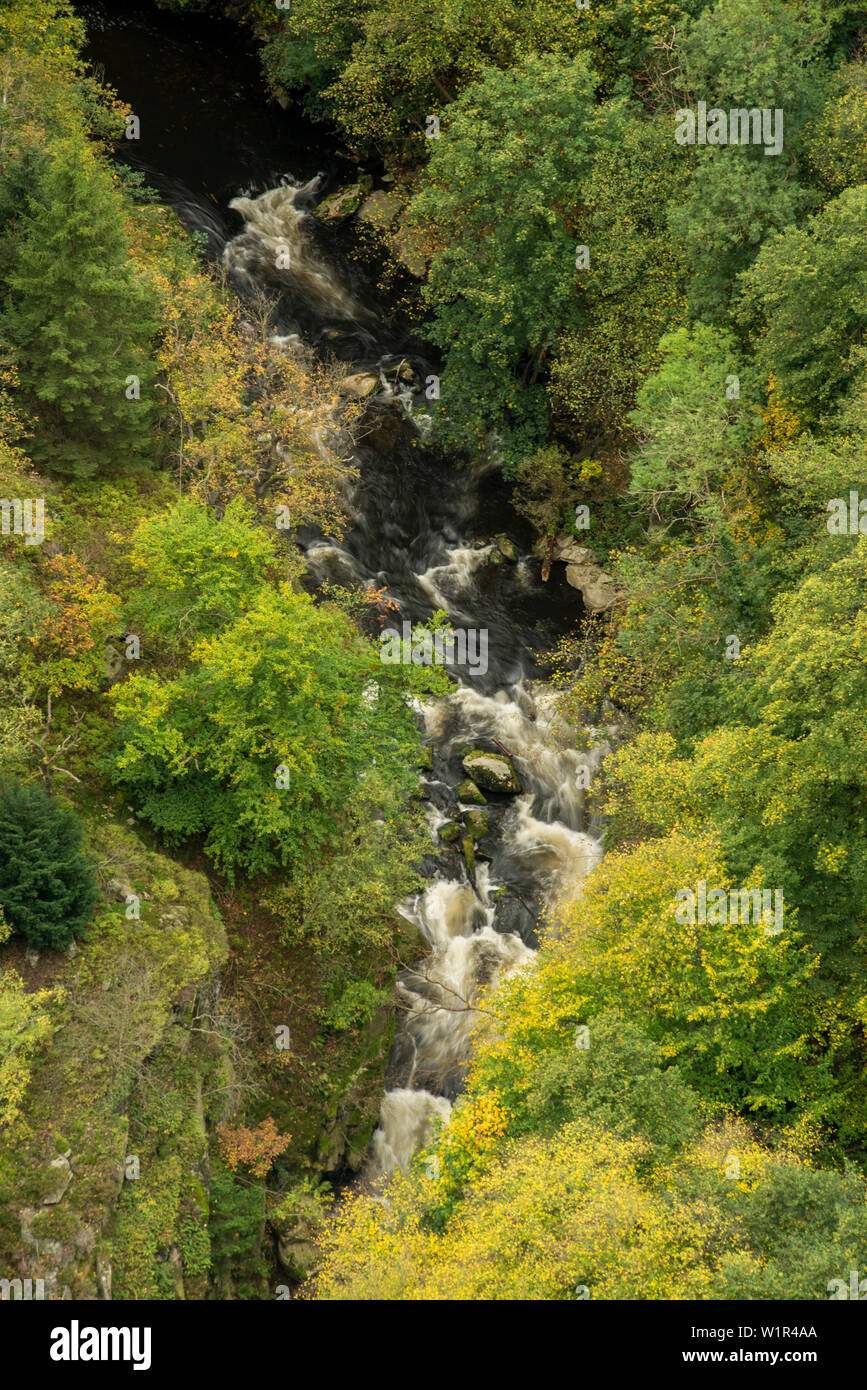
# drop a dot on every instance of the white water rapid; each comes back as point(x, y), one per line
point(414, 533)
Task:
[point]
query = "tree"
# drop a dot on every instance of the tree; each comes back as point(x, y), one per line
point(80, 321)
point(807, 296)
point(260, 742)
point(734, 203)
point(233, 428)
point(692, 423)
point(499, 202)
point(381, 69)
point(633, 289)
point(837, 139)
point(715, 995)
point(552, 1218)
point(735, 54)
point(738, 56)
point(198, 573)
point(48, 889)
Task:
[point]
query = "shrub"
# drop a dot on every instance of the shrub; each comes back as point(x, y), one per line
point(47, 887)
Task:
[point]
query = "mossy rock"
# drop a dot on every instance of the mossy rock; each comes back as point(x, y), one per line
point(468, 791)
point(468, 846)
point(450, 832)
point(477, 822)
point(492, 771)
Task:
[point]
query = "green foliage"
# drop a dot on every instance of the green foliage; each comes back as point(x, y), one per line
point(276, 698)
point(544, 490)
point(323, 907)
point(381, 70)
point(394, 64)
point(237, 1218)
point(79, 320)
point(22, 611)
point(47, 886)
point(692, 426)
point(357, 1004)
point(809, 286)
point(617, 1081)
point(836, 141)
point(633, 289)
point(736, 54)
point(197, 573)
point(499, 202)
point(25, 1027)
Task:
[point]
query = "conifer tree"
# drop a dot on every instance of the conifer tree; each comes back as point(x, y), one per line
point(47, 887)
point(79, 321)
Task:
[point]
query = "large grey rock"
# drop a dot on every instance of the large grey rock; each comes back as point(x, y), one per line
point(380, 209)
point(598, 589)
point(360, 385)
point(469, 792)
point(493, 772)
point(61, 1174)
point(511, 914)
point(408, 247)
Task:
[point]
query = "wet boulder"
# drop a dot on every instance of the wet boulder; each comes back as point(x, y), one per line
point(342, 203)
point(598, 589)
point(360, 385)
point(468, 791)
point(450, 832)
point(511, 914)
point(382, 429)
point(476, 822)
point(493, 772)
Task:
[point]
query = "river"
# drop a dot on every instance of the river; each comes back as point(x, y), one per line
point(248, 175)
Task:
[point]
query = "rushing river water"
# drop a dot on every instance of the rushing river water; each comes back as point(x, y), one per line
point(239, 169)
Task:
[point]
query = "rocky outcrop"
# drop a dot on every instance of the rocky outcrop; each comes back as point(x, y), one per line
point(70, 1180)
point(355, 1099)
point(469, 792)
point(598, 589)
point(341, 204)
point(385, 212)
point(380, 209)
point(511, 914)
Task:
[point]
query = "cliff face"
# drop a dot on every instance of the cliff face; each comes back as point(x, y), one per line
point(112, 1182)
point(131, 1010)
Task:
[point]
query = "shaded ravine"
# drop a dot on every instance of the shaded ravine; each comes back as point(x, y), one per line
point(421, 528)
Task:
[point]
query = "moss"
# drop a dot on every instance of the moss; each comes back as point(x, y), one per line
point(116, 1043)
point(469, 849)
point(450, 832)
point(468, 791)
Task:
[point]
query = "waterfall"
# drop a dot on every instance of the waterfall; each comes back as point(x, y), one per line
point(413, 535)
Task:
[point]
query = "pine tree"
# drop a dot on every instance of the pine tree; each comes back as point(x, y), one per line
point(79, 321)
point(47, 887)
